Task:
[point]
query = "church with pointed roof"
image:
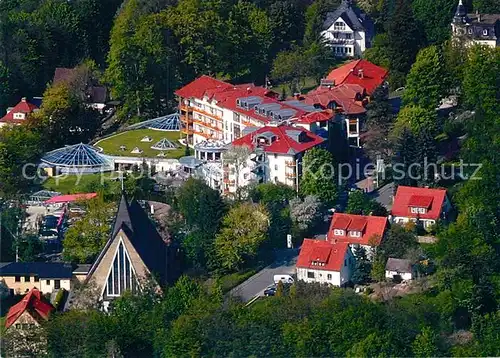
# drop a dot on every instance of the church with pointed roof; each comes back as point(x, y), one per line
point(134, 253)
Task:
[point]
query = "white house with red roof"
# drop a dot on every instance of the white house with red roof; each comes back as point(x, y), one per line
point(354, 230)
point(213, 109)
point(325, 262)
point(276, 156)
point(19, 113)
point(423, 205)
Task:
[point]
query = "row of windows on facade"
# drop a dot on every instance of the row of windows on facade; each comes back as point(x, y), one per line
point(312, 274)
point(347, 36)
point(339, 232)
point(339, 49)
point(57, 283)
point(24, 326)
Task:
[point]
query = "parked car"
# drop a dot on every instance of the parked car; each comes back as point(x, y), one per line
point(270, 290)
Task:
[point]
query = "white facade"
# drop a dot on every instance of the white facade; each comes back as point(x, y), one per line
point(404, 275)
point(426, 223)
point(334, 278)
point(262, 168)
point(345, 41)
point(212, 121)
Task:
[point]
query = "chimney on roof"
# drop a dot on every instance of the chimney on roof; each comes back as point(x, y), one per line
point(23, 99)
point(297, 95)
point(361, 73)
point(249, 90)
point(152, 209)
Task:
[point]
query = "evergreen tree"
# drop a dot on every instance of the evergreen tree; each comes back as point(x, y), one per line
point(405, 153)
point(404, 39)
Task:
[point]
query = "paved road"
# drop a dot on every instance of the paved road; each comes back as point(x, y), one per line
point(384, 195)
point(255, 285)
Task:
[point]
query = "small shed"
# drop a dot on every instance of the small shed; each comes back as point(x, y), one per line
point(399, 269)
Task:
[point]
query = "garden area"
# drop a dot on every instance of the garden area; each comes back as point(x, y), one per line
point(123, 144)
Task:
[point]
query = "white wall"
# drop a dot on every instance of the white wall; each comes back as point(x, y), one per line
point(49, 287)
point(404, 275)
point(427, 223)
point(357, 43)
point(322, 276)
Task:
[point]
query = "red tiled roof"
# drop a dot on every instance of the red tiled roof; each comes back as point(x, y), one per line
point(370, 226)
point(226, 95)
point(407, 196)
point(22, 107)
point(360, 72)
point(345, 96)
point(70, 198)
point(200, 86)
point(420, 201)
point(330, 257)
point(285, 142)
point(32, 303)
point(314, 117)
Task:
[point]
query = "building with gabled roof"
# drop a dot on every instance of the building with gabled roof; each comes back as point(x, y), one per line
point(358, 72)
point(275, 156)
point(401, 269)
point(475, 29)
point(363, 230)
point(19, 113)
point(325, 262)
point(29, 312)
point(347, 30)
point(134, 253)
point(424, 205)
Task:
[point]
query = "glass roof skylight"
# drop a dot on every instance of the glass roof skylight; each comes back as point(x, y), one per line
point(78, 155)
point(169, 123)
point(164, 144)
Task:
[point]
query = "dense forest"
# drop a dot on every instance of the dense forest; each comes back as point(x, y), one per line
point(145, 49)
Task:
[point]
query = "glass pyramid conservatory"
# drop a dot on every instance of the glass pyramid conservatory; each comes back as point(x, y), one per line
point(78, 158)
point(168, 123)
point(164, 144)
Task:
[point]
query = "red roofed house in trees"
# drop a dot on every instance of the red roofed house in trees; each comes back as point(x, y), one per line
point(19, 113)
point(423, 205)
point(358, 72)
point(29, 312)
point(366, 231)
point(325, 262)
point(347, 102)
point(277, 152)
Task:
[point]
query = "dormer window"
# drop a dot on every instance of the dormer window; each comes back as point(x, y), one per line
point(355, 233)
point(338, 232)
point(415, 210)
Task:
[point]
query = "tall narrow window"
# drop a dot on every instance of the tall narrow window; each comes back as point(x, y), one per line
point(121, 276)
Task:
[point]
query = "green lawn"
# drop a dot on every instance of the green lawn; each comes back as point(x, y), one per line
point(68, 184)
point(132, 139)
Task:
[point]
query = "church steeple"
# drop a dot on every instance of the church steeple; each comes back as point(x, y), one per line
point(461, 14)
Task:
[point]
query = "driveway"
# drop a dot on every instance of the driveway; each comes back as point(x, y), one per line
point(255, 285)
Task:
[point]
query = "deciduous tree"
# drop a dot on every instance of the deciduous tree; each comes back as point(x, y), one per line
point(244, 229)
